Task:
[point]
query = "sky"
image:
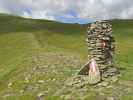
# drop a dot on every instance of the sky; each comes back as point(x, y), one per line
point(75, 11)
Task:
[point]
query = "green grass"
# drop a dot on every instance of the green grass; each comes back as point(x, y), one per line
point(59, 49)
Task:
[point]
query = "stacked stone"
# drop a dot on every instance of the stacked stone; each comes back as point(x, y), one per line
point(101, 44)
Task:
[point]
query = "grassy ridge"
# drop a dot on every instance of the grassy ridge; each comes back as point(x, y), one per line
point(16, 36)
point(63, 45)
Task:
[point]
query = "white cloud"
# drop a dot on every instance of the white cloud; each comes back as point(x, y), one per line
point(49, 9)
point(105, 9)
point(39, 15)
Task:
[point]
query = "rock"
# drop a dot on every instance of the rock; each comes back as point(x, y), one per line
point(112, 70)
point(109, 87)
point(41, 81)
point(27, 80)
point(29, 88)
point(34, 87)
point(53, 79)
point(127, 90)
point(103, 84)
point(94, 76)
point(10, 84)
point(101, 93)
point(21, 91)
point(114, 79)
point(40, 95)
point(110, 98)
point(69, 82)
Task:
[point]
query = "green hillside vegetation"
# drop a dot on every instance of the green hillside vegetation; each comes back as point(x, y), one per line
point(37, 56)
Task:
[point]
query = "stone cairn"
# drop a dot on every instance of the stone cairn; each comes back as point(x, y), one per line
point(101, 47)
point(101, 44)
point(101, 52)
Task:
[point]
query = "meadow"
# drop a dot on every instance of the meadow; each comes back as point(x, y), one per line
point(37, 56)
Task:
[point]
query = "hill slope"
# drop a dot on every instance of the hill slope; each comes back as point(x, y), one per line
point(37, 56)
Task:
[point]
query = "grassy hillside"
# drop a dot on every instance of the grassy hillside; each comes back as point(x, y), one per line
point(37, 56)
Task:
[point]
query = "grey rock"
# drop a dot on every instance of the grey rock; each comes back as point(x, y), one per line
point(21, 91)
point(110, 98)
point(103, 84)
point(40, 95)
point(41, 81)
point(114, 79)
point(10, 84)
point(27, 79)
point(112, 70)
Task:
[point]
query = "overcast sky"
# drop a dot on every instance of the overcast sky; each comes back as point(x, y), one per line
point(60, 9)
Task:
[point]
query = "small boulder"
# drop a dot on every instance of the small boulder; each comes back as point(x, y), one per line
point(110, 98)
